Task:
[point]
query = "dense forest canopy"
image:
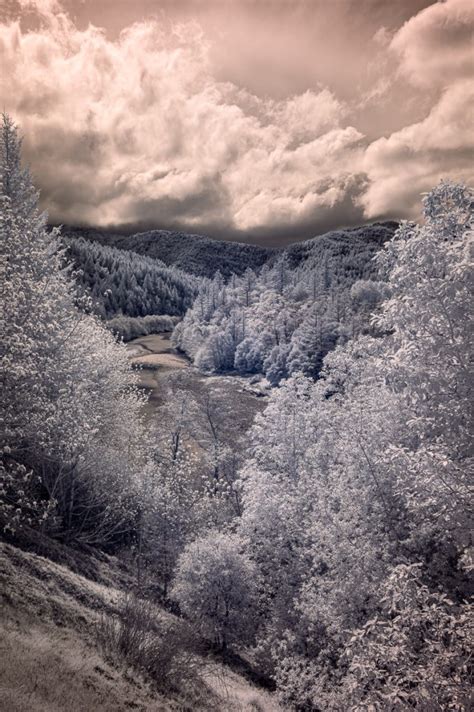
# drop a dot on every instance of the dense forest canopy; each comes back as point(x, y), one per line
point(121, 282)
point(332, 550)
point(287, 316)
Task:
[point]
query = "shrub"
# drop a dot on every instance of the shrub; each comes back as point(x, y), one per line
point(415, 654)
point(162, 649)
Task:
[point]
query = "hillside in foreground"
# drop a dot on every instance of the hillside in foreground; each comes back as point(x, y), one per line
point(58, 651)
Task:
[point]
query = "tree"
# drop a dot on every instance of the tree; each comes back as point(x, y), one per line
point(415, 653)
point(35, 296)
point(171, 515)
point(248, 323)
point(359, 481)
point(275, 366)
point(430, 314)
point(215, 585)
point(248, 356)
point(306, 353)
point(72, 441)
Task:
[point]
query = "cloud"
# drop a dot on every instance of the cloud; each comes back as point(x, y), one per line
point(435, 47)
point(414, 159)
point(138, 129)
point(435, 51)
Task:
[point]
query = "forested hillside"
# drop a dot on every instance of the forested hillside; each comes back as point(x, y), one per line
point(287, 316)
point(199, 255)
point(353, 546)
point(343, 245)
point(122, 282)
point(195, 254)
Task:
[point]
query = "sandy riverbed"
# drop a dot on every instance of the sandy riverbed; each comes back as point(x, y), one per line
point(163, 370)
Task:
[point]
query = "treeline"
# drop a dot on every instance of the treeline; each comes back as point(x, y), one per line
point(122, 282)
point(287, 317)
point(131, 327)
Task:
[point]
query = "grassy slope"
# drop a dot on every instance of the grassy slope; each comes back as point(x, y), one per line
point(50, 660)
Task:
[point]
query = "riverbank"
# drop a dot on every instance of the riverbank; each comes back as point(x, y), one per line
point(163, 370)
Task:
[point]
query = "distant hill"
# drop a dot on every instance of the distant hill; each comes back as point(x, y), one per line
point(204, 256)
point(343, 242)
point(196, 254)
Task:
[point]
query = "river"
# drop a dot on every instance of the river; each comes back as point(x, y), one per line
point(162, 370)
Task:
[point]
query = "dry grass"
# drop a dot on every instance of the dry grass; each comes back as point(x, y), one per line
point(161, 647)
point(48, 658)
point(51, 661)
point(237, 694)
point(46, 669)
point(29, 582)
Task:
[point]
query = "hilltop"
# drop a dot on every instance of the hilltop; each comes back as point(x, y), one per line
point(196, 254)
point(204, 256)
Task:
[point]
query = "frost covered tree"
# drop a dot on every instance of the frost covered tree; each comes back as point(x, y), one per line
point(36, 320)
point(248, 356)
point(431, 280)
point(171, 516)
point(366, 297)
point(365, 472)
point(316, 336)
point(415, 653)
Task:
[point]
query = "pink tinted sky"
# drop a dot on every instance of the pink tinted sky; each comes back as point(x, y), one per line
point(263, 120)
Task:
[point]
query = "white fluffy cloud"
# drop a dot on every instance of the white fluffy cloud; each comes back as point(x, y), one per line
point(138, 130)
point(407, 163)
point(435, 49)
point(435, 46)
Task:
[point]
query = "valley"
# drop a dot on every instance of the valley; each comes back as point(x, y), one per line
point(163, 370)
point(261, 499)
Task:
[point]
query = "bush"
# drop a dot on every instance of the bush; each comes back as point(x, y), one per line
point(415, 654)
point(164, 650)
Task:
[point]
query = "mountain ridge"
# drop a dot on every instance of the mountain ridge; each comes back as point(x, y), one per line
point(204, 256)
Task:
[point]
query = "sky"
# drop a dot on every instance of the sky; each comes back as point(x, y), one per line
point(263, 121)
